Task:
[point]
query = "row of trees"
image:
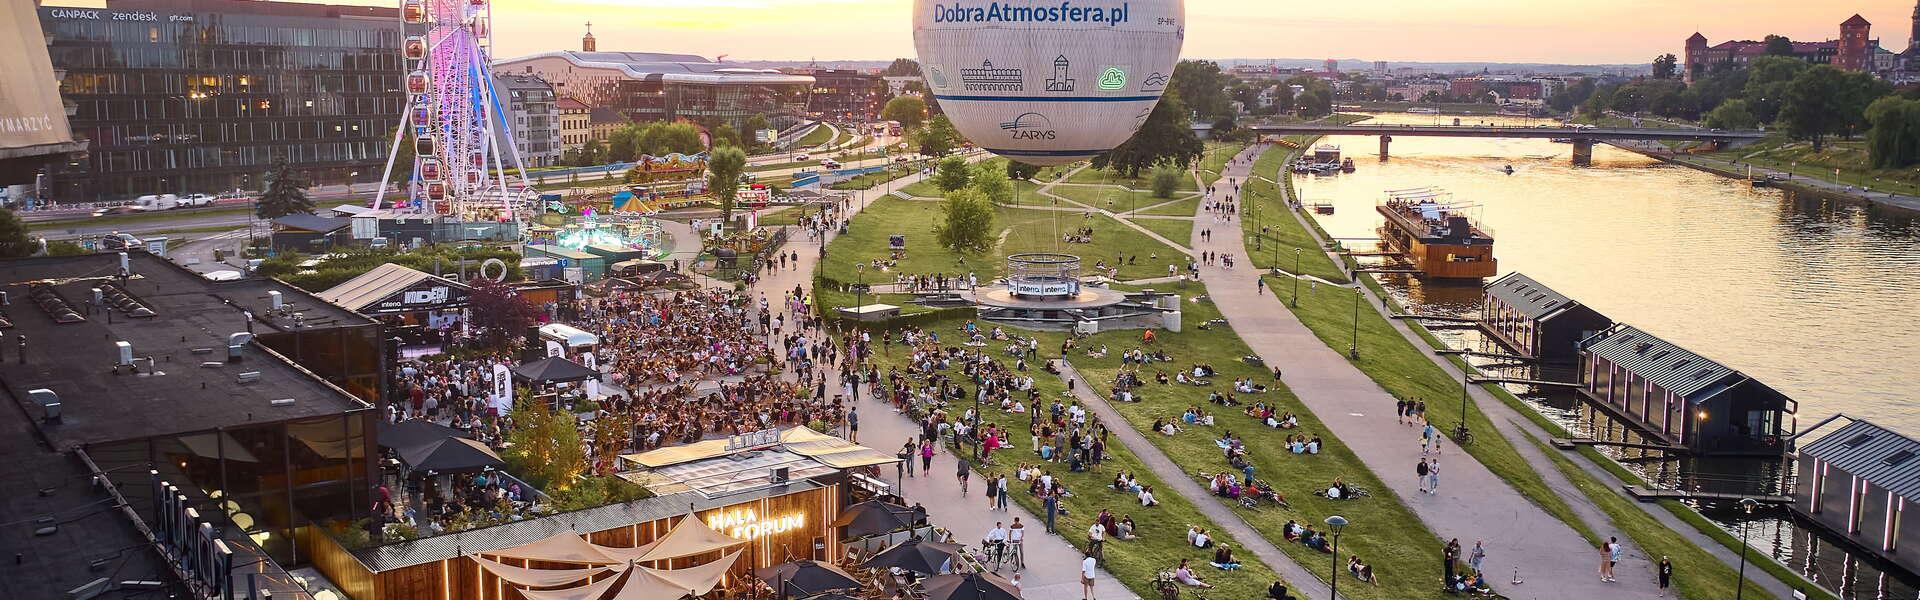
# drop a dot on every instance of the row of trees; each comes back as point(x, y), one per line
point(1808, 101)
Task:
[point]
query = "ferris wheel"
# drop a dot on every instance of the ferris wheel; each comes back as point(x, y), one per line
point(453, 119)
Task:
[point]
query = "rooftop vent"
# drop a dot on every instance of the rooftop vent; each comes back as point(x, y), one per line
point(1858, 440)
point(237, 344)
point(1897, 458)
point(50, 302)
point(118, 298)
point(125, 354)
point(48, 401)
point(247, 377)
point(274, 296)
point(1642, 348)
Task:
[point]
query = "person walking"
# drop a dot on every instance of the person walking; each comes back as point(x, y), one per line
point(1053, 507)
point(906, 455)
point(1478, 557)
point(991, 492)
point(1666, 575)
point(1400, 410)
point(926, 457)
point(1002, 488)
point(853, 424)
point(961, 470)
point(1422, 470)
point(1433, 476)
point(1606, 569)
point(1427, 434)
point(1016, 537)
point(1087, 567)
point(1613, 556)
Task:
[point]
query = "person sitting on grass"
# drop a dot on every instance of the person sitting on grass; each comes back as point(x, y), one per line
point(1197, 536)
point(1223, 558)
point(1185, 576)
point(1317, 541)
point(1291, 531)
point(1146, 496)
point(1126, 529)
point(1360, 570)
point(1160, 377)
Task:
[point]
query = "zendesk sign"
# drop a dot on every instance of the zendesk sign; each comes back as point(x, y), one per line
point(743, 523)
point(1002, 12)
point(96, 15)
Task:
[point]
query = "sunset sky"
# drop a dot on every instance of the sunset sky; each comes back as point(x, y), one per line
point(1555, 31)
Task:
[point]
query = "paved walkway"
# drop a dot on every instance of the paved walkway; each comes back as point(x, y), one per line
point(1473, 503)
point(1053, 566)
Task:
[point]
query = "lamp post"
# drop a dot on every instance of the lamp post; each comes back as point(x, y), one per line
point(1296, 276)
point(860, 289)
point(1335, 523)
point(1353, 349)
point(1460, 431)
point(1746, 506)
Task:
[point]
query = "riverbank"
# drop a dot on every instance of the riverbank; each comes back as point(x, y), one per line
point(1785, 179)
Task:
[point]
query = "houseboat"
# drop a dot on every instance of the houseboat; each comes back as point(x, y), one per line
point(1855, 481)
point(1681, 399)
point(1326, 153)
point(1537, 322)
point(1435, 236)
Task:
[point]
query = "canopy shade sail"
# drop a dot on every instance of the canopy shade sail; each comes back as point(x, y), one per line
point(689, 537)
point(553, 370)
point(562, 547)
point(591, 591)
point(698, 580)
point(536, 577)
point(451, 455)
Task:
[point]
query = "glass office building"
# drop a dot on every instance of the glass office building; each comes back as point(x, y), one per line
point(200, 96)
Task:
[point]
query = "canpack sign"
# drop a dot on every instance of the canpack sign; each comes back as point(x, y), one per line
point(1000, 12)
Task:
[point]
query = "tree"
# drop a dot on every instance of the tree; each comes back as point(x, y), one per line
point(1204, 87)
point(1576, 93)
point(910, 111)
point(966, 223)
point(1767, 81)
point(1663, 66)
point(1822, 101)
point(592, 153)
point(1166, 137)
point(724, 135)
point(902, 67)
point(1315, 98)
point(1165, 181)
point(1732, 114)
point(1779, 45)
point(1021, 171)
point(1894, 141)
point(991, 183)
point(952, 174)
point(758, 123)
point(624, 143)
point(668, 138)
point(545, 444)
point(724, 167)
point(285, 193)
point(937, 137)
point(14, 241)
point(499, 312)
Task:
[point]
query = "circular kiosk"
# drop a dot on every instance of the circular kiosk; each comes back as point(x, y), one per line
point(1043, 290)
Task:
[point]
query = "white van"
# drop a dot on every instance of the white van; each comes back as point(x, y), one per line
point(152, 202)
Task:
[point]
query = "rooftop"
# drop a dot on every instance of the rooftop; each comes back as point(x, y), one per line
point(181, 380)
point(1666, 365)
point(1530, 297)
point(1873, 453)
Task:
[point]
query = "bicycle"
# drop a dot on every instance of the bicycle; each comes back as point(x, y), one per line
point(1461, 435)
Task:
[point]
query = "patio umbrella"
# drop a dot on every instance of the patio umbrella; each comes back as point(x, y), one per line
point(451, 455)
point(413, 432)
point(971, 586)
point(831, 596)
point(874, 517)
point(917, 555)
point(553, 370)
point(806, 577)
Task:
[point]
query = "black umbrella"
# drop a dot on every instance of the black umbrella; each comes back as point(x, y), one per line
point(874, 517)
point(553, 370)
point(451, 455)
point(831, 596)
point(806, 577)
point(413, 432)
point(971, 586)
point(917, 555)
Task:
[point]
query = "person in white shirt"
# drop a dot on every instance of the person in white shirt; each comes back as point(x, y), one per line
point(1087, 565)
point(996, 543)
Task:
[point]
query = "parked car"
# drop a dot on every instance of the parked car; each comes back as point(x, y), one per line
point(119, 241)
point(190, 200)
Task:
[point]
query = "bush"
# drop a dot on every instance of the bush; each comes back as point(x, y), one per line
point(1165, 181)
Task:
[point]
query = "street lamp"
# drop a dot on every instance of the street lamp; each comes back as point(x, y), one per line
point(1746, 506)
point(1335, 523)
point(860, 289)
point(1296, 276)
point(1353, 349)
point(1460, 431)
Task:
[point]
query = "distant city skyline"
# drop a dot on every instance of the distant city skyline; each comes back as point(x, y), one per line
point(1509, 31)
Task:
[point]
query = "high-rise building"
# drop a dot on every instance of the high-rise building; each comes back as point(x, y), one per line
point(201, 96)
point(530, 118)
point(845, 94)
point(646, 86)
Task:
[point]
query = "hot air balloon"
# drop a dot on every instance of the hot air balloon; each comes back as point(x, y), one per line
point(1047, 82)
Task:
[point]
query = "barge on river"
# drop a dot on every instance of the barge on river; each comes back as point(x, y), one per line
point(1435, 236)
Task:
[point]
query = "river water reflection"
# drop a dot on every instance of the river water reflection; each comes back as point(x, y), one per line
point(1820, 300)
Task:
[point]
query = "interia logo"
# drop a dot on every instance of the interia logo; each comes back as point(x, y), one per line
point(1000, 12)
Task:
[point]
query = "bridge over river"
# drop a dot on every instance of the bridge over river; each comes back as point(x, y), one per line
point(1583, 139)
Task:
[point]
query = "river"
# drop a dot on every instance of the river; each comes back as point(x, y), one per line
point(1818, 299)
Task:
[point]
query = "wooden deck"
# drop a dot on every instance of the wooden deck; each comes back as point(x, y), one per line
point(1446, 318)
point(1571, 443)
point(1649, 495)
point(1520, 381)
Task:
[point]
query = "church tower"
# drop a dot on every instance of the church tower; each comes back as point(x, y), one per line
point(586, 42)
point(1694, 58)
point(1913, 37)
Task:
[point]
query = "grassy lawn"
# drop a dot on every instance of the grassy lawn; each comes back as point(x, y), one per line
point(1161, 529)
point(819, 135)
point(869, 180)
point(1033, 231)
point(783, 165)
point(1287, 242)
point(1106, 177)
point(1177, 230)
point(1215, 158)
point(1110, 198)
point(1179, 208)
point(1850, 156)
point(1406, 373)
point(1699, 576)
point(1386, 533)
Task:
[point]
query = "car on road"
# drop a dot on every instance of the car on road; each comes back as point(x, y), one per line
point(124, 209)
point(157, 202)
point(801, 157)
point(195, 200)
point(119, 241)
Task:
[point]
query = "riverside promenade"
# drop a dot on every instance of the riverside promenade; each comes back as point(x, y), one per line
point(1472, 504)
